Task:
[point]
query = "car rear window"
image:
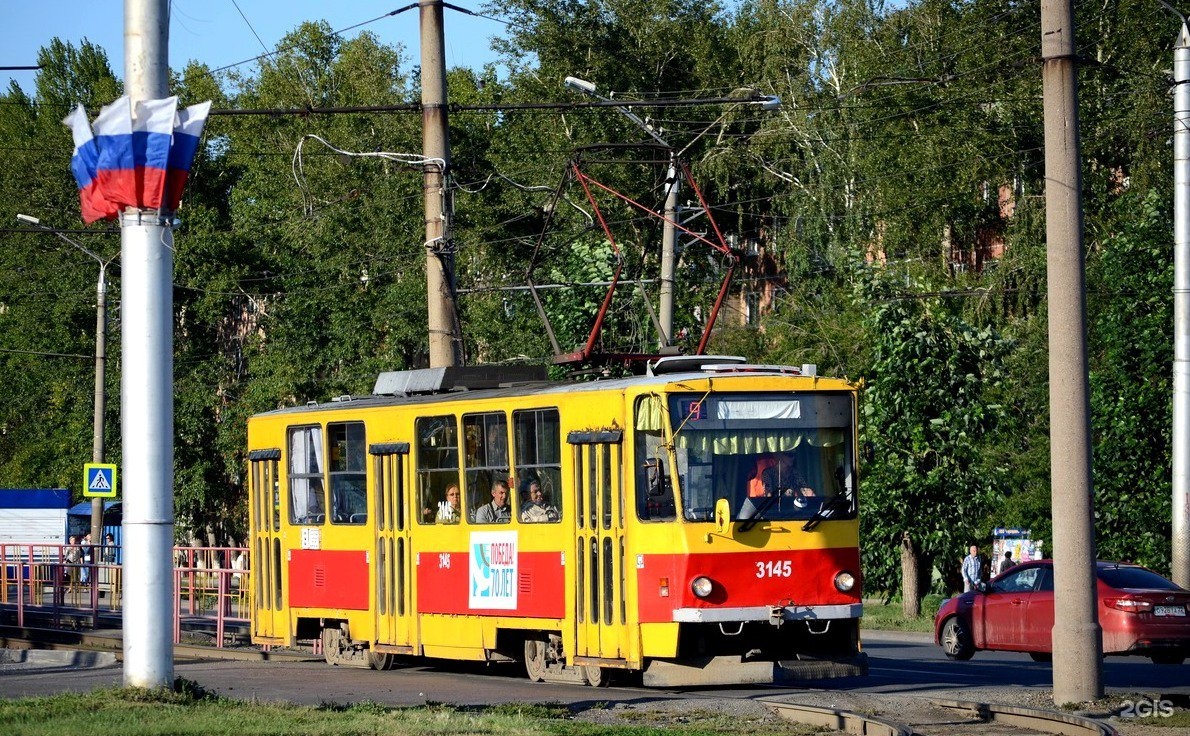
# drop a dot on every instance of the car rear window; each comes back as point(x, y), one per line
point(1134, 577)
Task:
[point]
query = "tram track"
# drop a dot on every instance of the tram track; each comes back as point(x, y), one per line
point(13, 637)
point(941, 717)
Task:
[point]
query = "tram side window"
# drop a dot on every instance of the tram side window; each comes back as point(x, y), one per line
point(438, 469)
point(654, 491)
point(307, 502)
point(349, 496)
point(538, 440)
point(485, 437)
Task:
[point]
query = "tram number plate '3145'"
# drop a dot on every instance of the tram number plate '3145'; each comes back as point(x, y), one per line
point(774, 569)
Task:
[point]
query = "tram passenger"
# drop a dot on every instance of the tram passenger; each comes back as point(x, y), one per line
point(536, 509)
point(449, 510)
point(496, 512)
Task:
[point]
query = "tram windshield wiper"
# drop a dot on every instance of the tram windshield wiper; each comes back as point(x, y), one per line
point(832, 504)
point(759, 515)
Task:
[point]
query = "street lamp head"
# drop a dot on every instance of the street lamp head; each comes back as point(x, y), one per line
point(581, 85)
point(29, 219)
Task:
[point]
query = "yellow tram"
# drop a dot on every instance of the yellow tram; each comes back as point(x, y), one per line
point(697, 524)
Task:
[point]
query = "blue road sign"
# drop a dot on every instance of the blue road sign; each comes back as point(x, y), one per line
point(99, 480)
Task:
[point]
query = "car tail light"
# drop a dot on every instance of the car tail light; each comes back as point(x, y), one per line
point(1130, 605)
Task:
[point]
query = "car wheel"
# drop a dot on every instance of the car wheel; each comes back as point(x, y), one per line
point(1041, 656)
point(956, 641)
point(1167, 658)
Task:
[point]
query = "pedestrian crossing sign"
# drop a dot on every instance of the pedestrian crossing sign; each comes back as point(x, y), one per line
point(99, 480)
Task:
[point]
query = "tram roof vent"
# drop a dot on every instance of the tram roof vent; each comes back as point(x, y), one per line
point(455, 378)
point(687, 363)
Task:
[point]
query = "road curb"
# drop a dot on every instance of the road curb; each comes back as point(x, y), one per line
point(49, 640)
point(57, 658)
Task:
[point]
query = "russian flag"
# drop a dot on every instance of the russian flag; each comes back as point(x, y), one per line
point(140, 161)
point(116, 170)
point(152, 134)
point(84, 164)
point(134, 153)
point(187, 132)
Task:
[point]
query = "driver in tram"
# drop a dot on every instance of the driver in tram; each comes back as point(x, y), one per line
point(775, 475)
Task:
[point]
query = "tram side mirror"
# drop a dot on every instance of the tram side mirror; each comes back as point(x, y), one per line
point(722, 515)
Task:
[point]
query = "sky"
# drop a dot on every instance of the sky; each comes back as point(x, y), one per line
point(215, 32)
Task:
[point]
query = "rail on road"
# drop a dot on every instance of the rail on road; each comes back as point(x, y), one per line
point(977, 716)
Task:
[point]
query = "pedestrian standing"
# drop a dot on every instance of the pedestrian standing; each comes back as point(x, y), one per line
point(972, 570)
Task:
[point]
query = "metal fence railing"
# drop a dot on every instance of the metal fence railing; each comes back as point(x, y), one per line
point(55, 584)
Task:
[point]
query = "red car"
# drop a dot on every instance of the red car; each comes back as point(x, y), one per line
point(1140, 613)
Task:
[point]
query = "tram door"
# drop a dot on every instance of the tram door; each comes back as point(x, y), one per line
point(599, 554)
point(269, 618)
point(393, 583)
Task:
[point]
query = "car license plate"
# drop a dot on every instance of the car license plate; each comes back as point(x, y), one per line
point(1169, 610)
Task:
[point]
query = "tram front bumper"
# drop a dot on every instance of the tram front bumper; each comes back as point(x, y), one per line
point(735, 670)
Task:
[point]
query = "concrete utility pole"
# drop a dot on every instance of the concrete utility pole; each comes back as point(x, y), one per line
point(1077, 637)
point(669, 258)
point(440, 302)
point(1180, 561)
point(147, 245)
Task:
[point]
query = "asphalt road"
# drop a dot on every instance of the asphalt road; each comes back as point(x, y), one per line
point(901, 664)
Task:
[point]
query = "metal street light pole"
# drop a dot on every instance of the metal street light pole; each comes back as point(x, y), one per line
point(97, 445)
point(673, 185)
point(1180, 526)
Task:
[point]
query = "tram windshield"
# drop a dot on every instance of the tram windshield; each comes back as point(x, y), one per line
point(781, 456)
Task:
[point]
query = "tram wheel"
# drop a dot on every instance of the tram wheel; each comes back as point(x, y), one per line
point(330, 645)
point(381, 660)
point(596, 676)
point(535, 659)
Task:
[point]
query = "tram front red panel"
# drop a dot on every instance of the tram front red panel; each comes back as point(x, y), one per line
point(328, 579)
point(443, 580)
point(745, 579)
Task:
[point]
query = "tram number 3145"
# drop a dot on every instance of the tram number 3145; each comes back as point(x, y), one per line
point(774, 569)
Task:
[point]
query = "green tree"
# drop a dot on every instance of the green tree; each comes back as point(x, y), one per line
point(927, 489)
point(47, 288)
point(1131, 321)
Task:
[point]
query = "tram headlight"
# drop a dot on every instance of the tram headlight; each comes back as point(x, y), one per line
point(702, 586)
point(844, 581)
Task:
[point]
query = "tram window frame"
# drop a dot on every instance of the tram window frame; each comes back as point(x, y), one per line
point(347, 467)
point(591, 485)
point(485, 461)
point(307, 484)
point(537, 445)
point(652, 476)
point(437, 464)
